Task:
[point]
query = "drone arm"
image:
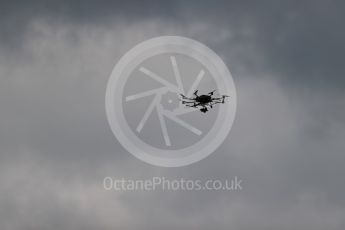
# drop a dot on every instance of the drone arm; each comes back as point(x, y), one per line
point(185, 102)
point(186, 98)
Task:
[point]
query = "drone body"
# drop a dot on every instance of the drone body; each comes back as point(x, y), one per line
point(202, 101)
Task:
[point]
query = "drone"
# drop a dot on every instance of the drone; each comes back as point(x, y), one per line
point(202, 101)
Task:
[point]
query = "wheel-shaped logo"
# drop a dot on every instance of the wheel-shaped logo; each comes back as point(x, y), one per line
point(170, 101)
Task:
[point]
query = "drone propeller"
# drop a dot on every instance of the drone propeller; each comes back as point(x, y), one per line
point(192, 106)
point(196, 93)
point(211, 93)
point(223, 97)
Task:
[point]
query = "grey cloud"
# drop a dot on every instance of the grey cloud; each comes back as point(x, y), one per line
point(299, 40)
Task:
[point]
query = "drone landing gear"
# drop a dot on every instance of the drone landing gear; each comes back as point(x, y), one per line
point(204, 110)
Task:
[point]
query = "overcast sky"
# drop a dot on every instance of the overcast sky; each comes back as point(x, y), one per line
point(286, 144)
